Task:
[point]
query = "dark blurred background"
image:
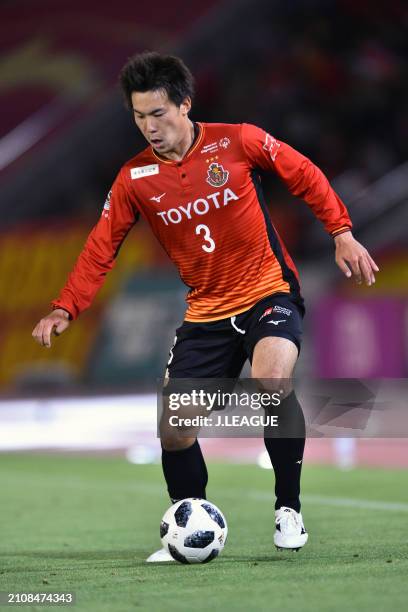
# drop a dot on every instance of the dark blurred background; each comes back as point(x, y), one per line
point(328, 77)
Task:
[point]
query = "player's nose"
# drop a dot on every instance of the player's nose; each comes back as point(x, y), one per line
point(151, 127)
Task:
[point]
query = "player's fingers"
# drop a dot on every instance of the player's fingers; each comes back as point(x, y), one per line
point(344, 267)
point(61, 327)
point(37, 332)
point(371, 267)
point(34, 332)
point(46, 333)
point(365, 269)
point(355, 267)
point(372, 263)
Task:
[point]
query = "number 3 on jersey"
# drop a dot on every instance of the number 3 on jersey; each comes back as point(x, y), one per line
point(208, 248)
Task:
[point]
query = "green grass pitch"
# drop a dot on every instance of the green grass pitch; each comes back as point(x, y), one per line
point(87, 524)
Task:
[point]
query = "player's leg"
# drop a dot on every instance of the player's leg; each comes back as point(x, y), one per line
point(273, 345)
point(273, 364)
point(183, 463)
point(200, 351)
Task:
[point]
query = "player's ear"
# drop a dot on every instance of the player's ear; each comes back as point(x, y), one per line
point(185, 106)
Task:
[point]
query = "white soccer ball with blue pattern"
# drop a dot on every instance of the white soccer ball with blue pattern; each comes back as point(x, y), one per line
point(193, 530)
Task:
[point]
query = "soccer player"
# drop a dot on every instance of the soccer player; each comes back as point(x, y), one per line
point(198, 187)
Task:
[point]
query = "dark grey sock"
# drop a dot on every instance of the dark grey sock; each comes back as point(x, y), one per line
point(286, 453)
point(185, 472)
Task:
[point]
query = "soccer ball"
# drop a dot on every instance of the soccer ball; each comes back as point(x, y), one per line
point(193, 530)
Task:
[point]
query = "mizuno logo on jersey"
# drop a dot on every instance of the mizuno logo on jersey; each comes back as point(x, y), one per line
point(158, 198)
point(142, 171)
point(199, 207)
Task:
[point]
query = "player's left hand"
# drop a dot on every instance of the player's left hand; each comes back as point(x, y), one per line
point(354, 260)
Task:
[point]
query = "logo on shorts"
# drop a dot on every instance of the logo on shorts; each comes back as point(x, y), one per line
point(277, 309)
point(216, 175)
point(266, 313)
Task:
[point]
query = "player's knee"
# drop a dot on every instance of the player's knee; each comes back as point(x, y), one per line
point(176, 437)
point(176, 442)
point(272, 374)
point(269, 378)
point(274, 382)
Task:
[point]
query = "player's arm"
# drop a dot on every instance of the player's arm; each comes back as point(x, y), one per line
point(95, 260)
point(305, 180)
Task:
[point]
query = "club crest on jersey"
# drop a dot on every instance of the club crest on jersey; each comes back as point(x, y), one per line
point(216, 175)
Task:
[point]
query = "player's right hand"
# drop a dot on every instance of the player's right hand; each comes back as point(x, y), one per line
point(56, 322)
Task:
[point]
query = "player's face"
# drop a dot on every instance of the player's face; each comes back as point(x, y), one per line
point(162, 123)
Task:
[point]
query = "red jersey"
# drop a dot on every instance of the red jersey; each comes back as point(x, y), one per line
point(209, 214)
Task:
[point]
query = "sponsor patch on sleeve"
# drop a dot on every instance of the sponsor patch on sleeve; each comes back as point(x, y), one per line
point(106, 206)
point(271, 145)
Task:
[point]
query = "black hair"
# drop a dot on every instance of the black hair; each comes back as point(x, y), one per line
point(150, 71)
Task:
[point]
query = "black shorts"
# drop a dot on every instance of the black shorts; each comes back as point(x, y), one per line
point(219, 349)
